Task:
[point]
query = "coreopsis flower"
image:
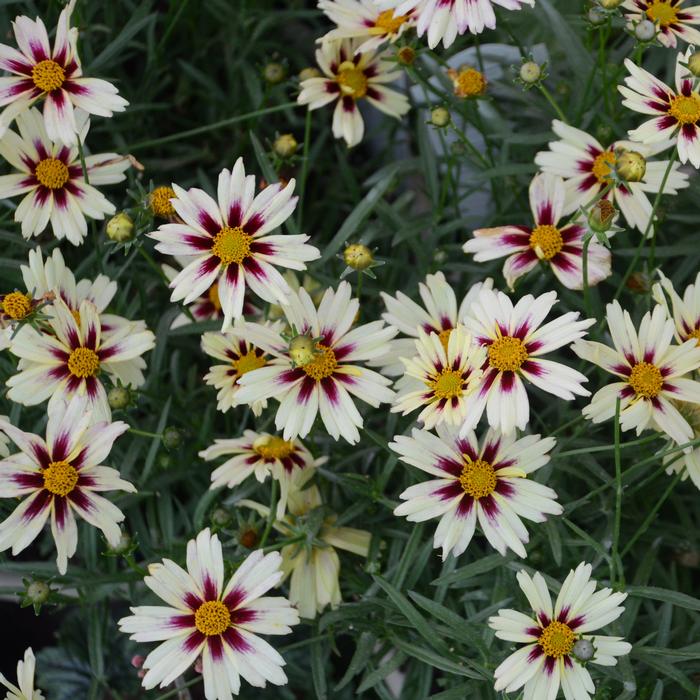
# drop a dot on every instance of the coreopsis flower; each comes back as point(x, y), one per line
point(444, 377)
point(672, 19)
point(439, 314)
point(228, 242)
point(587, 168)
point(443, 20)
point(61, 477)
point(485, 481)
point(675, 112)
point(260, 454)
point(326, 379)
point(313, 567)
point(651, 373)
point(204, 619)
point(467, 82)
point(50, 176)
point(362, 19)
point(349, 78)
point(516, 343)
point(25, 680)
point(70, 360)
point(54, 75)
point(684, 311)
point(557, 639)
point(687, 461)
point(239, 357)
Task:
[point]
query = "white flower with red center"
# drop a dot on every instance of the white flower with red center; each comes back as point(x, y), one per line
point(50, 176)
point(587, 169)
point(438, 314)
point(240, 357)
point(443, 20)
point(652, 373)
point(54, 75)
point(675, 112)
point(260, 454)
point(362, 19)
point(684, 311)
point(60, 477)
point(228, 242)
point(25, 680)
point(69, 361)
point(485, 481)
point(219, 623)
point(443, 378)
point(559, 246)
point(516, 343)
point(330, 376)
point(351, 77)
point(686, 462)
point(670, 17)
point(557, 639)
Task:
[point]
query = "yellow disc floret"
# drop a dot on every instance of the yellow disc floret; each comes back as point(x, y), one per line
point(16, 305)
point(213, 295)
point(60, 478)
point(352, 80)
point(232, 245)
point(48, 75)
point(646, 380)
point(467, 82)
point(248, 362)
point(387, 23)
point(478, 478)
point(447, 384)
point(546, 241)
point(685, 109)
point(323, 364)
point(663, 12)
point(212, 618)
point(602, 166)
point(557, 639)
point(83, 363)
point(272, 447)
point(160, 204)
point(52, 173)
point(507, 354)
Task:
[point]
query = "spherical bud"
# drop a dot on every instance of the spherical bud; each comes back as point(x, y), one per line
point(137, 660)
point(610, 4)
point(302, 350)
point(597, 16)
point(123, 545)
point(530, 72)
point(221, 517)
point(248, 538)
point(285, 145)
point(160, 204)
point(631, 166)
point(358, 256)
point(406, 55)
point(274, 73)
point(120, 228)
point(38, 592)
point(439, 116)
point(165, 461)
point(601, 216)
point(694, 64)
point(645, 30)
point(119, 397)
point(307, 73)
point(583, 650)
point(172, 438)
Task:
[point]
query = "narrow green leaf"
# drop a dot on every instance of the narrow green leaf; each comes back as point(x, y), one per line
point(680, 600)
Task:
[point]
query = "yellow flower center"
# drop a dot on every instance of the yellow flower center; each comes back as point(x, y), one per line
point(48, 75)
point(16, 305)
point(646, 380)
point(83, 363)
point(159, 201)
point(507, 354)
point(232, 245)
point(468, 82)
point(546, 241)
point(602, 166)
point(695, 334)
point(212, 618)
point(352, 80)
point(478, 478)
point(662, 11)
point(557, 639)
point(685, 109)
point(273, 447)
point(60, 478)
point(448, 385)
point(213, 295)
point(445, 337)
point(247, 363)
point(52, 173)
point(386, 23)
point(323, 363)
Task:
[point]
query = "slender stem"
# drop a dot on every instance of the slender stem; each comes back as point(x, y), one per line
point(304, 169)
point(143, 433)
point(553, 102)
point(93, 227)
point(607, 448)
point(271, 515)
point(618, 490)
point(584, 274)
point(175, 691)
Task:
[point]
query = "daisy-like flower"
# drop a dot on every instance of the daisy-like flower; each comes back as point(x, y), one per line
point(684, 311)
point(25, 680)
point(240, 357)
point(652, 373)
point(261, 454)
point(439, 314)
point(676, 113)
point(445, 376)
point(557, 638)
point(203, 618)
point(443, 20)
point(362, 19)
point(326, 381)
point(687, 462)
point(69, 362)
point(487, 482)
point(672, 19)
point(587, 166)
point(50, 176)
point(559, 246)
point(227, 239)
point(61, 477)
point(516, 343)
point(313, 568)
point(55, 75)
point(349, 78)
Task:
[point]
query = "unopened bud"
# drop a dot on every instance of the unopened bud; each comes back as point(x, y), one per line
point(439, 116)
point(610, 4)
point(120, 228)
point(601, 216)
point(583, 650)
point(285, 145)
point(137, 660)
point(358, 256)
point(274, 73)
point(645, 30)
point(307, 73)
point(38, 592)
point(631, 166)
point(302, 350)
point(694, 64)
point(406, 55)
point(119, 397)
point(530, 72)
point(172, 438)
point(221, 517)
point(123, 545)
point(597, 16)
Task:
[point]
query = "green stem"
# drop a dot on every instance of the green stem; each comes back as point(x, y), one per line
point(304, 169)
point(271, 514)
point(143, 433)
point(606, 448)
point(618, 491)
point(93, 227)
point(584, 273)
point(553, 102)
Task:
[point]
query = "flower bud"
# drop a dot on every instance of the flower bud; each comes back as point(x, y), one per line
point(601, 216)
point(137, 660)
point(274, 73)
point(307, 73)
point(159, 202)
point(631, 166)
point(358, 256)
point(165, 461)
point(285, 145)
point(439, 116)
point(221, 517)
point(172, 438)
point(38, 592)
point(123, 545)
point(694, 64)
point(645, 30)
point(610, 4)
point(302, 350)
point(596, 16)
point(120, 228)
point(583, 650)
point(530, 72)
point(119, 397)
point(248, 538)
point(406, 55)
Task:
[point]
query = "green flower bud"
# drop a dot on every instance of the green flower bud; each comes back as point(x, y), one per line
point(439, 116)
point(120, 228)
